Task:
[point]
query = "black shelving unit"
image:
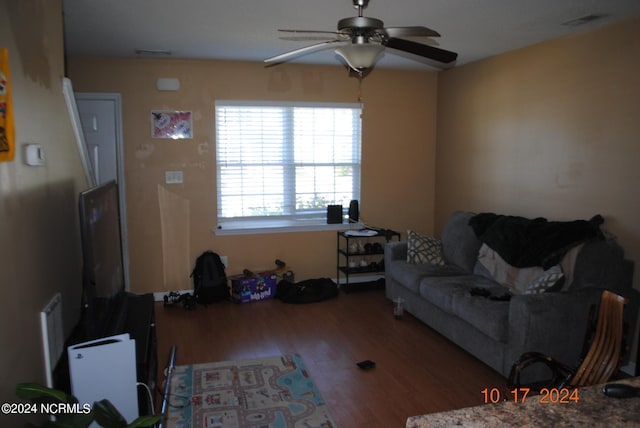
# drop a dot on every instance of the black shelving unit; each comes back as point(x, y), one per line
point(359, 253)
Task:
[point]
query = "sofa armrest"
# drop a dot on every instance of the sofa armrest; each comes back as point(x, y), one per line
point(396, 250)
point(554, 324)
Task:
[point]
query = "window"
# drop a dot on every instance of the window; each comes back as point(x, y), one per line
point(280, 164)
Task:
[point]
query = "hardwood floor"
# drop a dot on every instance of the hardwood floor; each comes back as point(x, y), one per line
point(418, 371)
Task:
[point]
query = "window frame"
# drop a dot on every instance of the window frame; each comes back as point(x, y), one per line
point(312, 220)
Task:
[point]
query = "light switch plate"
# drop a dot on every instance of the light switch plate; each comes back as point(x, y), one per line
point(34, 154)
point(173, 177)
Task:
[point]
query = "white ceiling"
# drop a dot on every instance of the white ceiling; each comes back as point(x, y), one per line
point(246, 30)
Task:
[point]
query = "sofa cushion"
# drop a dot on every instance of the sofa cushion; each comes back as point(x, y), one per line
point(459, 242)
point(441, 290)
point(453, 295)
point(489, 316)
point(423, 249)
point(410, 275)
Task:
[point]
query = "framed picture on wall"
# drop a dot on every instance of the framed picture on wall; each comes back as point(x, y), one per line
point(171, 124)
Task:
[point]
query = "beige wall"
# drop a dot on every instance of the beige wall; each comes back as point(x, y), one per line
point(551, 130)
point(398, 152)
point(39, 236)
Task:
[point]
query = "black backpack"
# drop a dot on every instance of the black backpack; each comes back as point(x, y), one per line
point(209, 279)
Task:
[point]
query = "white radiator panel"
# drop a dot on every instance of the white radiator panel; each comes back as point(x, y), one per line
point(52, 335)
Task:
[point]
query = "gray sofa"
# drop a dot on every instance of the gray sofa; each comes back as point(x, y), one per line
point(498, 331)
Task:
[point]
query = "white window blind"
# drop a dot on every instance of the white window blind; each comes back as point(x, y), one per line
point(283, 163)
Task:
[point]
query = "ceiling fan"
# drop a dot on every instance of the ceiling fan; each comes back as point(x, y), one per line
point(360, 40)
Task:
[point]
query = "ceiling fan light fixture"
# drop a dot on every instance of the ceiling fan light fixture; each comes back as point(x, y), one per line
point(360, 56)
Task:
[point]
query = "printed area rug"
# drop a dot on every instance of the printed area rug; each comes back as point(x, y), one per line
point(275, 392)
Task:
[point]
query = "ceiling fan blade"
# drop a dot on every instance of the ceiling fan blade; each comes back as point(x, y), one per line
point(304, 51)
point(311, 35)
point(421, 49)
point(310, 31)
point(309, 38)
point(417, 31)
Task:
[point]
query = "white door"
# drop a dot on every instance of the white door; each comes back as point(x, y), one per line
point(101, 119)
point(98, 119)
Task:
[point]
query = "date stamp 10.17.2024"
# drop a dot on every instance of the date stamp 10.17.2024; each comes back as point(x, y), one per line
point(523, 395)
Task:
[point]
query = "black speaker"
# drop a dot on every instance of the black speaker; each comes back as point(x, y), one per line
point(334, 214)
point(354, 211)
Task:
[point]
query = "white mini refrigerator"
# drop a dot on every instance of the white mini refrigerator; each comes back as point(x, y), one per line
point(106, 368)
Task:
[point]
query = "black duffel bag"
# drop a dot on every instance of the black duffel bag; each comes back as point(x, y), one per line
point(307, 291)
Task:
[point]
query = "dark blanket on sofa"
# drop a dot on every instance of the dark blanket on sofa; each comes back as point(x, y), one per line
point(523, 242)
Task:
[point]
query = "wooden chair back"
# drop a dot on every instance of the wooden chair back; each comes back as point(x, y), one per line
point(603, 358)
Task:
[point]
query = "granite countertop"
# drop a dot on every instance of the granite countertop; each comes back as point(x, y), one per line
point(588, 407)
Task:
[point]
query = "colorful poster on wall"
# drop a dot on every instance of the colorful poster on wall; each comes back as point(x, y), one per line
point(171, 124)
point(7, 130)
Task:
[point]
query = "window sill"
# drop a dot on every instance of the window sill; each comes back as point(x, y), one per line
point(279, 226)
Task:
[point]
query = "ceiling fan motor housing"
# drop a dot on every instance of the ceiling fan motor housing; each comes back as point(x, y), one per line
point(360, 24)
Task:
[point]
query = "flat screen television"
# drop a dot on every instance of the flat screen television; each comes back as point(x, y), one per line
point(103, 295)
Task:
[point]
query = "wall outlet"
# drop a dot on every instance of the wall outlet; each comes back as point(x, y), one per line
point(173, 177)
point(225, 261)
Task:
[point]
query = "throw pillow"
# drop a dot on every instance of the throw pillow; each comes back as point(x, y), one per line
point(550, 280)
point(423, 249)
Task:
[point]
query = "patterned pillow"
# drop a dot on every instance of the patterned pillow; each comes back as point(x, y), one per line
point(423, 249)
point(550, 280)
